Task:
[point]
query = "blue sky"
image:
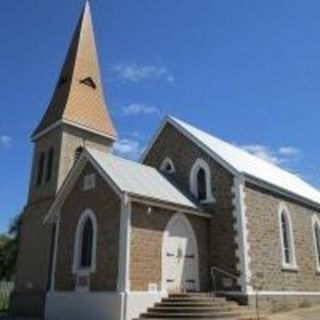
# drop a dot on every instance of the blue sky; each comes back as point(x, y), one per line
point(247, 71)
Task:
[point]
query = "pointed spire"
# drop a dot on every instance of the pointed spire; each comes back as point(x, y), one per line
point(78, 98)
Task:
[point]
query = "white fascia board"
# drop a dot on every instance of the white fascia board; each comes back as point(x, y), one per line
point(280, 191)
point(72, 124)
point(169, 206)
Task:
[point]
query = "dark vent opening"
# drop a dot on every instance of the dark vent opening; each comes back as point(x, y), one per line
point(89, 82)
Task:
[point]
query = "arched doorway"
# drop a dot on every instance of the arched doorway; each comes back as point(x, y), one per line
point(180, 259)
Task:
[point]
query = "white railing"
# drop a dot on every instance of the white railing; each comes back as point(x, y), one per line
point(5, 291)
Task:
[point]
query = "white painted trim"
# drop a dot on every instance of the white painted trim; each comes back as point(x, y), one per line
point(315, 221)
point(201, 164)
point(55, 254)
point(282, 209)
point(165, 162)
point(72, 124)
point(88, 213)
point(276, 189)
point(171, 222)
point(123, 284)
point(221, 161)
point(241, 229)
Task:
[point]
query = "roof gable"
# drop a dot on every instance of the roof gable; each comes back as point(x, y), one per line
point(239, 161)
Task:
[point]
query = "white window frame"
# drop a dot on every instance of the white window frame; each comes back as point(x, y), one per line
point(293, 262)
point(89, 182)
point(165, 162)
point(315, 221)
point(76, 268)
point(201, 164)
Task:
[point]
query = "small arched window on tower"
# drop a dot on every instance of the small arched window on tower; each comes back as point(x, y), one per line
point(40, 168)
point(287, 241)
point(50, 164)
point(78, 153)
point(200, 181)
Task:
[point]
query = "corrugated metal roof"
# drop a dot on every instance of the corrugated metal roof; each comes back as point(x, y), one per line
point(140, 180)
point(244, 162)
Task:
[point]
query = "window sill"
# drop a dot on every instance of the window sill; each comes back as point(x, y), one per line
point(208, 200)
point(290, 268)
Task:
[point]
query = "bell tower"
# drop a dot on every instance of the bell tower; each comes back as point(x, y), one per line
point(76, 117)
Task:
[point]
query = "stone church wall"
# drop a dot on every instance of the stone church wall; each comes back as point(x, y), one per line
point(147, 232)
point(183, 152)
point(106, 206)
point(265, 247)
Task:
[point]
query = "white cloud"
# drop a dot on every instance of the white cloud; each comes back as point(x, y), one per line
point(128, 148)
point(139, 108)
point(136, 73)
point(279, 156)
point(5, 140)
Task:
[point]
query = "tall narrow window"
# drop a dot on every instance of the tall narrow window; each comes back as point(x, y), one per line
point(49, 165)
point(285, 237)
point(84, 259)
point(200, 181)
point(40, 168)
point(202, 185)
point(287, 240)
point(316, 237)
point(86, 244)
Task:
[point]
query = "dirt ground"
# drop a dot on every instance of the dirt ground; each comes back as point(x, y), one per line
point(312, 313)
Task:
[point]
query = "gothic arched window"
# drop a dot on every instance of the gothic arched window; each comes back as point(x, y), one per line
point(202, 184)
point(40, 168)
point(316, 237)
point(200, 181)
point(85, 243)
point(50, 164)
point(287, 241)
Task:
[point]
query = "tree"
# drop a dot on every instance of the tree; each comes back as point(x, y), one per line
point(9, 250)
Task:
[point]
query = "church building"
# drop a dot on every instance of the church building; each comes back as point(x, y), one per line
point(197, 218)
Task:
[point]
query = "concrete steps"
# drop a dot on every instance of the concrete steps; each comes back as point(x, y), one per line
point(194, 306)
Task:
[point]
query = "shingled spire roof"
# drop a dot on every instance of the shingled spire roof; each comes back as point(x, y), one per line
point(78, 98)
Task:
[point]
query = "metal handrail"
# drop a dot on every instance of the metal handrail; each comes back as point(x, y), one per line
point(248, 281)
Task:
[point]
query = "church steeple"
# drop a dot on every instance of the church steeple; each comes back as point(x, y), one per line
point(78, 99)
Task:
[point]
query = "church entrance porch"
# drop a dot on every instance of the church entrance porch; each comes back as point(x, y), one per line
point(180, 258)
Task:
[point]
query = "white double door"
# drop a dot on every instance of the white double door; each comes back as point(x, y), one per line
point(180, 258)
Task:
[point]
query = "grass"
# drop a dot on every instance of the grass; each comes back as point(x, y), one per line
point(4, 303)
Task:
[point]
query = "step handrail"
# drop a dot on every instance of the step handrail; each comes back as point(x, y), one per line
point(248, 281)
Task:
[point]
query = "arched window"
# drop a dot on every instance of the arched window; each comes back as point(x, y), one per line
point(78, 153)
point(40, 168)
point(200, 181)
point(85, 243)
point(316, 238)
point(167, 166)
point(286, 235)
point(202, 184)
point(49, 164)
